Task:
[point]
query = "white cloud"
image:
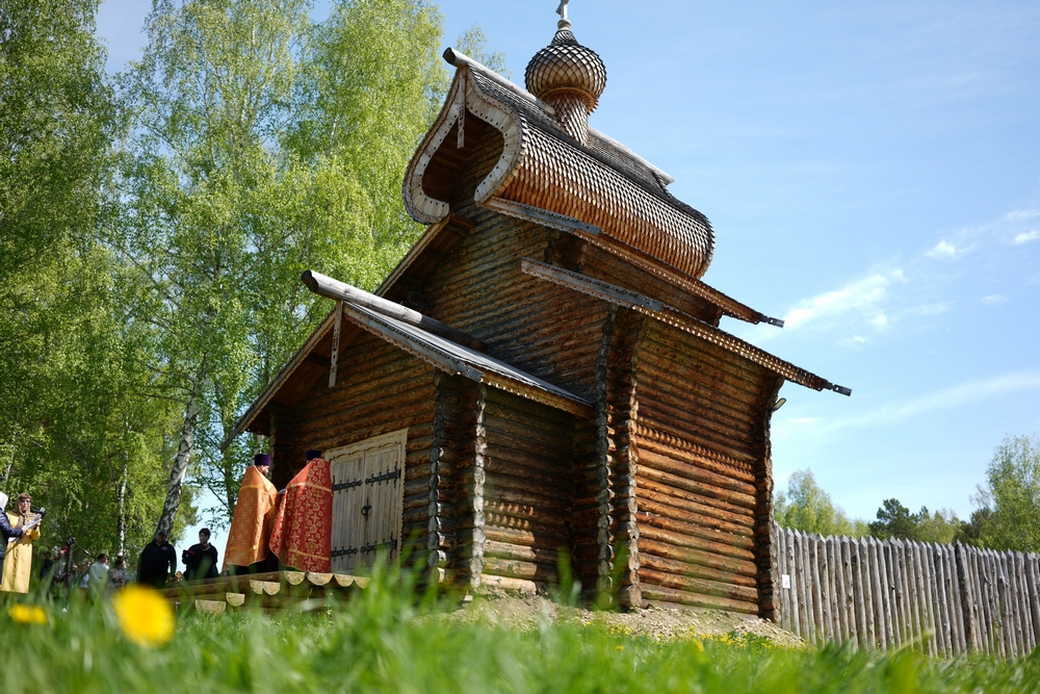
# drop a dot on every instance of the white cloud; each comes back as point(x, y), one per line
point(1026, 237)
point(945, 250)
point(880, 321)
point(803, 420)
point(1021, 215)
point(854, 342)
point(994, 299)
point(944, 399)
point(935, 309)
point(863, 295)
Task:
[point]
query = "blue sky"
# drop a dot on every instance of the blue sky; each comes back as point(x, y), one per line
point(872, 172)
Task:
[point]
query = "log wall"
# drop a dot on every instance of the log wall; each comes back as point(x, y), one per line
point(608, 267)
point(549, 331)
point(380, 389)
point(944, 600)
point(701, 460)
point(527, 491)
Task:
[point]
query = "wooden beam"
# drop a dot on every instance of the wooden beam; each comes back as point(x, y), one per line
point(324, 285)
point(337, 328)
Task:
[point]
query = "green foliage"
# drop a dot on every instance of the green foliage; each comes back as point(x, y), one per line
point(382, 641)
point(894, 520)
point(473, 43)
point(76, 414)
point(806, 507)
point(264, 145)
point(1009, 513)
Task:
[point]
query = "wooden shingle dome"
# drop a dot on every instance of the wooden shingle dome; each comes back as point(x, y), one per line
point(570, 77)
point(533, 155)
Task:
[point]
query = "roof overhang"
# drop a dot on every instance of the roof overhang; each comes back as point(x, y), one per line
point(439, 352)
point(677, 319)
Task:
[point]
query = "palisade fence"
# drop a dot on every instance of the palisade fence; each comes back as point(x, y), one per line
point(946, 600)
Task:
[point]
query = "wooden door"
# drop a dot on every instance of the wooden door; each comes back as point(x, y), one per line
point(367, 489)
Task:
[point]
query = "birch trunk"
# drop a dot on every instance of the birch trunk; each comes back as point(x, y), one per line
point(121, 500)
point(185, 447)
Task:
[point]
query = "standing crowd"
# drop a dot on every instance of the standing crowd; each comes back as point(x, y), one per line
point(269, 529)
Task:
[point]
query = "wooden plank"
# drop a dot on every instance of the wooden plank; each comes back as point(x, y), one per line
point(790, 561)
point(993, 605)
point(968, 616)
point(886, 593)
point(859, 594)
point(953, 598)
point(805, 629)
point(982, 584)
point(1032, 573)
point(880, 593)
point(781, 614)
point(831, 584)
point(1014, 612)
point(924, 624)
point(898, 565)
point(846, 619)
point(337, 328)
point(895, 619)
point(1027, 641)
point(818, 596)
point(945, 619)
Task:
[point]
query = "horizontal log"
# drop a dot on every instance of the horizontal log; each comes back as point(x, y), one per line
point(699, 396)
point(326, 286)
point(663, 572)
point(700, 437)
point(654, 591)
point(515, 494)
point(508, 550)
point(731, 498)
point(693, 367)
point(520, 569)
point(540, 534)
point(691, 503)
point(662, 529)
point(517, 585)
point(675, 446)
point(693, 470)
point(685, 562)
point(693, 417)
point(712, 526)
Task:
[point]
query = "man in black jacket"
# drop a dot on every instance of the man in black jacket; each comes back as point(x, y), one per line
point(200, 561)
point(158, 562)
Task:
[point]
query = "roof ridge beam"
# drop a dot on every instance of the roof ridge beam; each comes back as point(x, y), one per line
point(331, 288)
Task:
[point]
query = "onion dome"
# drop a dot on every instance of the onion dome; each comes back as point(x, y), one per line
point(570, 78)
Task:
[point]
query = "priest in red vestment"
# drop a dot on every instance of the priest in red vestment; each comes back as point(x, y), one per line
point(301, 535)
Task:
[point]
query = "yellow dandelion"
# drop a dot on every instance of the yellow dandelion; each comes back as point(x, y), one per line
point(697, 645)
point(144, 616)
point(27, 614)
point(619, 648)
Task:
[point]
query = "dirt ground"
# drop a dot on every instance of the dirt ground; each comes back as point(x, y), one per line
point(661, 623)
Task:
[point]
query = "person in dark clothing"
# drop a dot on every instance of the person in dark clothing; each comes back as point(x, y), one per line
point(158, 562)
point(200, 560)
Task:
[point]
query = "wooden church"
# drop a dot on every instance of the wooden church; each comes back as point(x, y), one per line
point(544, 371)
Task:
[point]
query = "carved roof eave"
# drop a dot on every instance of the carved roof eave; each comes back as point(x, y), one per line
point(677, 319)
point(462, 97)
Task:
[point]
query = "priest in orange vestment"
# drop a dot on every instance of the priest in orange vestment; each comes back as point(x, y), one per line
point(301, 536)
point(251, 522)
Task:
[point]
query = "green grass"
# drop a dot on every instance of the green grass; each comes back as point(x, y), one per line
point(384, 642)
